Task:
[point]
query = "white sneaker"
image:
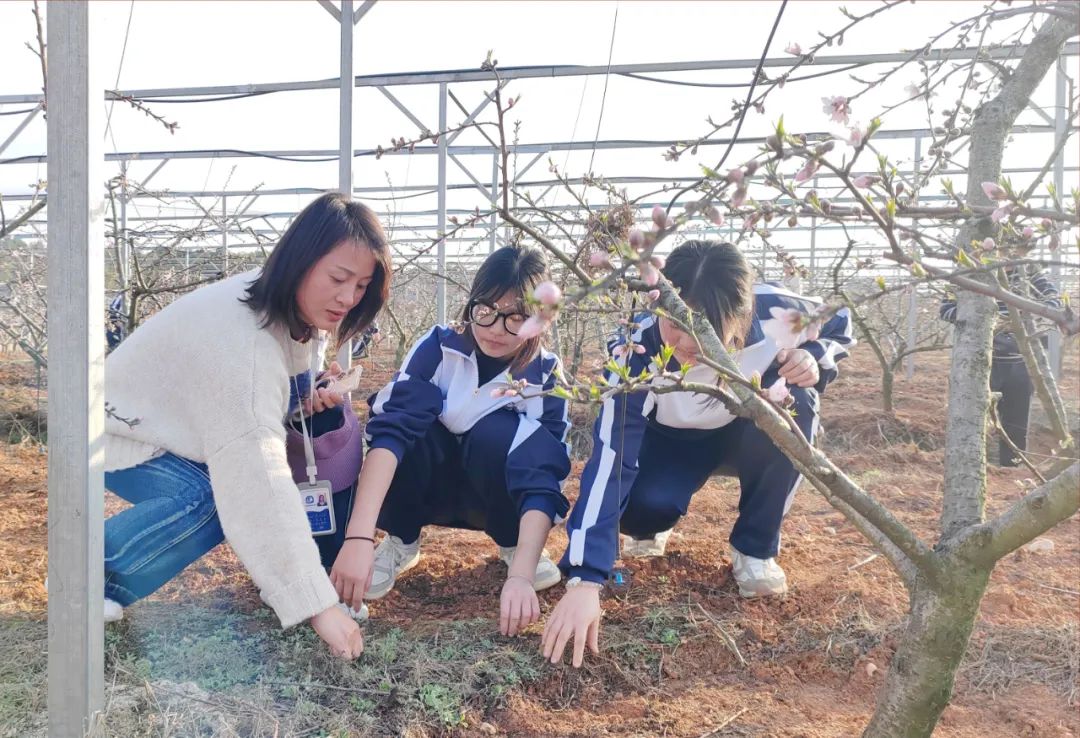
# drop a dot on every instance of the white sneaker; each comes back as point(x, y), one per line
point(547, 573)
point(112, 610)
point(392, 558)
point(757, 577)
point(358, 615)
point(645, 547)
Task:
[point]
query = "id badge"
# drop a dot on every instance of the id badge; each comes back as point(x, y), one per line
point(318, 502)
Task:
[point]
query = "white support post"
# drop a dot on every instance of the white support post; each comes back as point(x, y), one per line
point(1060, 130)
point(913, 293)
point(76, 289)
point(345, 126)
point(345, 92)
point(440, 287)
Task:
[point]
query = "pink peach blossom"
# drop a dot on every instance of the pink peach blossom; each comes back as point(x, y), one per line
point(599, 259)
point(994, 191)
point(547, 293)
point(778, 392)
point(649, 274)
point(532, 328)
point(653, 295)
point(806, 172)
point(637, 239)
point(659, 216)
point(837, 108)
point(793, 48)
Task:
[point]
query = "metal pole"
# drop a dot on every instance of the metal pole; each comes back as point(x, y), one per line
point(913, 294)
point(1060, 123)
point(345, 92)
point(440, 287)
point(345, 128)
point(224, 238)
point(19, 129)
point(125, 253)
point(76, 290)
point(494, 202)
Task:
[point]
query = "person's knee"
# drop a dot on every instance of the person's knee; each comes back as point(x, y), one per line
point(492, 435)
point(647, 515)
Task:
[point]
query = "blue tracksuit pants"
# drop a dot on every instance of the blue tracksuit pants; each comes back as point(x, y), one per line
point(675, 463)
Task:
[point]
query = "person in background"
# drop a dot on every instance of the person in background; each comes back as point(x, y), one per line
point(1008, 372)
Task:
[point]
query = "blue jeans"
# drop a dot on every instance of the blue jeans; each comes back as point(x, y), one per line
point(172, 523)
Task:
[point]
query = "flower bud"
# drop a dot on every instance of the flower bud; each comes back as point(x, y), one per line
point(659, 216)
point(547, 293)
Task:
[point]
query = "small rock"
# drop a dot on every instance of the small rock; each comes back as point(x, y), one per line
point(488, 729)
point(830, 530)
point(870, 667)
point(1040, 546)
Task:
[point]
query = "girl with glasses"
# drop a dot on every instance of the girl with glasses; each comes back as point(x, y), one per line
point(462, 437)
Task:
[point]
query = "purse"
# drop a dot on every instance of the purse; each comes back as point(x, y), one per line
point(338, 446)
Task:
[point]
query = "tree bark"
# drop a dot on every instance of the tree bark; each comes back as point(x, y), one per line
point(920, 680)
point(969, 386)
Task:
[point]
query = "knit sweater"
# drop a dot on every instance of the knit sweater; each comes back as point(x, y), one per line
point(205, 382)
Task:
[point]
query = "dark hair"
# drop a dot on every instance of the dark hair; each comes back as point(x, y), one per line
point(714, 278)
point(316, 231)
point(509, 269)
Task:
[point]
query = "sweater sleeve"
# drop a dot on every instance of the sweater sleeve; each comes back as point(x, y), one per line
point(258, 502)
point(593, 525)
point(403, 410)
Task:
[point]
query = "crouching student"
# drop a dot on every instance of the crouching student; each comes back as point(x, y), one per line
point(197, 399)
point(450, 446)
point(652, 452)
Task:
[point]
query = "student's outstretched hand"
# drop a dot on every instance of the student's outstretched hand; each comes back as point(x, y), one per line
point(518, 606)
point(339, 632)
point(798, 367)
point(352, 570)
point(577, 616)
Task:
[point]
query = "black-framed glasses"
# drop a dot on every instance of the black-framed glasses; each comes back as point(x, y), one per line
point(486, 315)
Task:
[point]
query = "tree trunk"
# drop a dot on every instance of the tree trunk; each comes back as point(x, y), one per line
point(887, 390)
point(920, 679)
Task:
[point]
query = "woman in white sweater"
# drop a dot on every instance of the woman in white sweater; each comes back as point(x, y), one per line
point(197, 398)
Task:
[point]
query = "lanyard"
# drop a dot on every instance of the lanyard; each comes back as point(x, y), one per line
point(317, 347)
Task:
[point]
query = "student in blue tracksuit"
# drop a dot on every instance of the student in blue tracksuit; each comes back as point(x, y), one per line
point(652, 452)
point(1008, 372)
point(453, 443)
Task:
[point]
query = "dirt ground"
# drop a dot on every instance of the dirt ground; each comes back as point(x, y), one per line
point(810, 664)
